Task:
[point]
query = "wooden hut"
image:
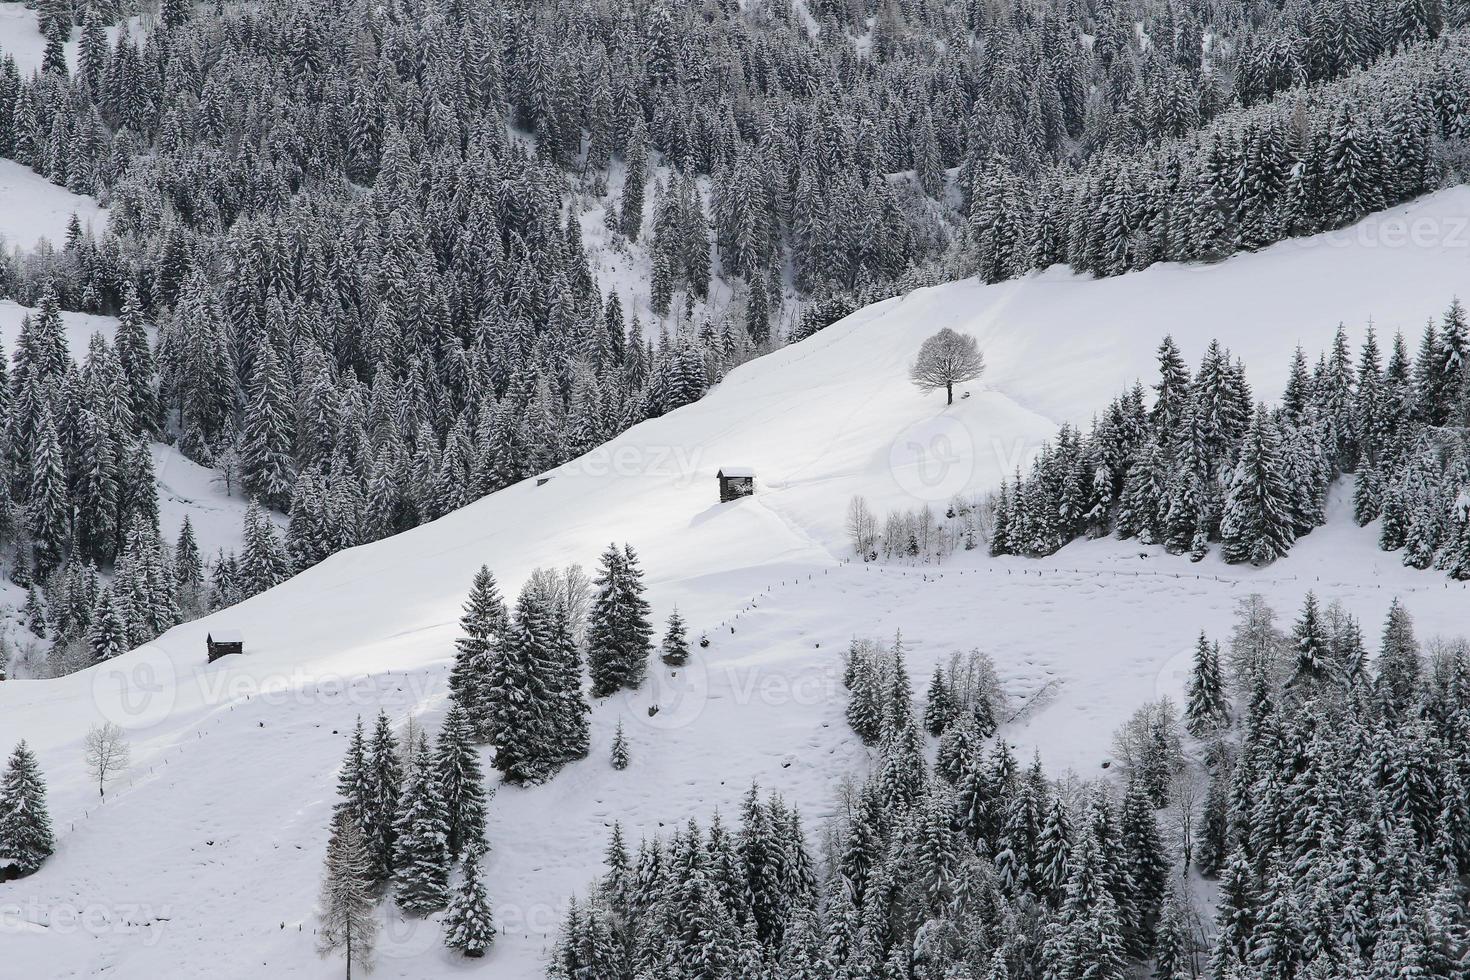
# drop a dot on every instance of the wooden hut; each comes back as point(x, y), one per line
point(735, 482)
point(222, 643)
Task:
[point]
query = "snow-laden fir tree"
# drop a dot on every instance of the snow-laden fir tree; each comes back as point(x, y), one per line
point(675, 649)
point(25, 823)
point(1256, 524)
point(421, 857)
point(481, 627)
point(619, 748)
point(469, 924)
point(460, 783)
point(940, 709)
point(188, 569)
point(354, 780)
point(347, 910)
point(383, 785)
point(619, 631)
point(266, 461)
point(107, 636)
point(1208, 710)
point(522, 693)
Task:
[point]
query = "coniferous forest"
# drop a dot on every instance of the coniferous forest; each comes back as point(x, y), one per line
point(371, 262)
point(355, 231)
point(1319, 787)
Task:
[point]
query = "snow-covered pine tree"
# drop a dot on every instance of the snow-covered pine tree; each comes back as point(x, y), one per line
point(619, 748)
point(522, 694)
point(421, 852)
point(461, 783)
point(25, 823)
point(618, 632)
point(469, 924)
point(1207, 710)
point(1256, 524)
point(266, 461)
point(675, 650)
point(481, 627)
point(107, 636)
point(383, 778)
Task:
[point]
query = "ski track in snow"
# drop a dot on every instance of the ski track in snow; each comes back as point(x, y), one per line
point(215, 837)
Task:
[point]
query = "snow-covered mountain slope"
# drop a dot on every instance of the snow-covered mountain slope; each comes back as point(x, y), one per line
point(206, 858)
point(34, 208)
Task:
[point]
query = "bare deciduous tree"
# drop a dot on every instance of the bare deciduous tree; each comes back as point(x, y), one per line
point(862, 526)
point(107, 753)
point(945, 360)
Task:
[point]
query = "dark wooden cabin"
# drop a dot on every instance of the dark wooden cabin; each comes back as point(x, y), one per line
point(736, 482)
point(222, 643)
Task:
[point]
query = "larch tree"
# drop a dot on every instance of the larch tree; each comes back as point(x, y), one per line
point(346, 912)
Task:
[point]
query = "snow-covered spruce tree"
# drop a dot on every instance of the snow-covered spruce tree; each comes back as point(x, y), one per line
point(618, 632)
point(421, 856)
point(571, 733)
point(347, 910)
point(1256, 524)
point(1313, 666)
point(1207, 710)
point(25, 823)
point(619, 748)
point(1399, 663)
point(266, 466)
point(263, 562)
point(522, 694)
point(481, 627)
point(469, 924)
point(188, 569)
point(354, 780)
point(675, 649)
point(107, 635)
point(383, 785)
point(461, 783)
point(940, 709)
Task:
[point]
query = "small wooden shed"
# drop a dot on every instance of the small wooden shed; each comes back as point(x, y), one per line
point(735, 482)
point(222, 643)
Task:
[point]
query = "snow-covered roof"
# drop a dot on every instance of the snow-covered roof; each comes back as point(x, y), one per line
point(737, 472)
point(226, 636)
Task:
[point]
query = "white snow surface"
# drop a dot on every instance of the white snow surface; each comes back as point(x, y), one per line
point(79, 327)
point(21, 37)
point(32, 208)
point(205, 858)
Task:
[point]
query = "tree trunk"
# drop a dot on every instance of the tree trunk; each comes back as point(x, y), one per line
point(949, 390)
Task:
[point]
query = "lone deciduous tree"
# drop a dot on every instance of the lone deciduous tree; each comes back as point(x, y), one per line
point(945, 360)
point(107, 753)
